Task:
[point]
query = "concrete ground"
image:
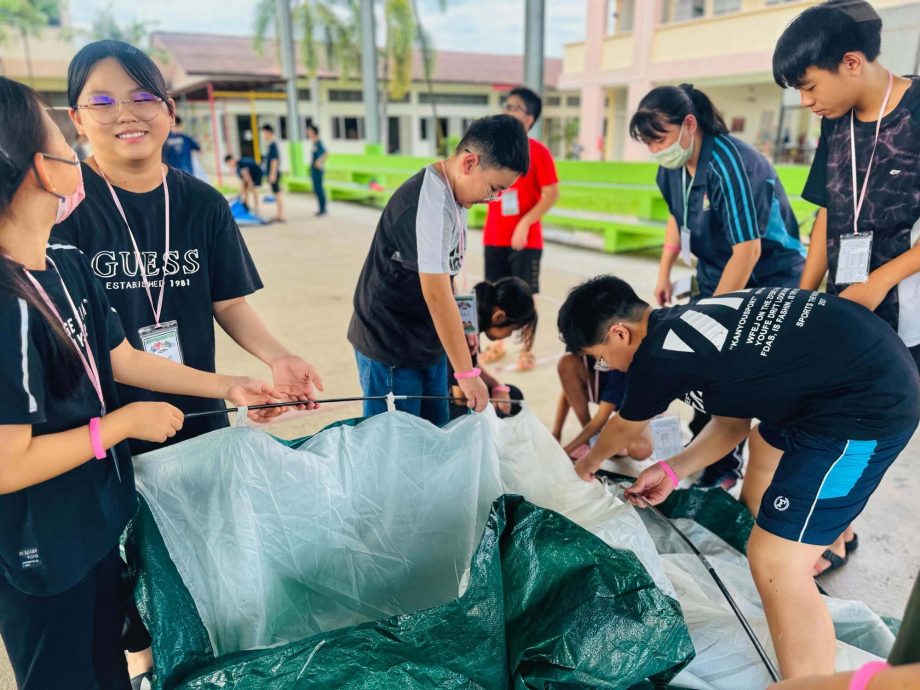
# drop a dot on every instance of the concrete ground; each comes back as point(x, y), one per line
point(309, 266)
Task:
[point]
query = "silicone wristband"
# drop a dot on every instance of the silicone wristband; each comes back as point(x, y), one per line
point(471, 374)
point(95, 439)
point(866, 673)
point(501, 389)
point(673, 248)
point(672, 475)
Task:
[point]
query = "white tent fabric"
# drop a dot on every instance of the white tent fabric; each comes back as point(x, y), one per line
point(365, 522)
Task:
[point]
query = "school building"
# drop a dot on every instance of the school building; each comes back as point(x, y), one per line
point(723, 47)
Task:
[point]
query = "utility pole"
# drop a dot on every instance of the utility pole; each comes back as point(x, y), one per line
point(369, 73)
point(289, 69)
point(534, 32)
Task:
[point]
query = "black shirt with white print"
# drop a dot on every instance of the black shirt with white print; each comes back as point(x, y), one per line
point(208, 262)
point(891, 210)
point(53, 533)
point(418, 232)
point(795, 358)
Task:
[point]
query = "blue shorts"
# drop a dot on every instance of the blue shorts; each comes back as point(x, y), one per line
point(822, 484)
point(378, 378)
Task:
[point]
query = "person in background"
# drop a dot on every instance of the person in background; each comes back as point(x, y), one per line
point(271, 162)
point(250, 174)
point(180, 148)
point(512, 235)
point(318, 167)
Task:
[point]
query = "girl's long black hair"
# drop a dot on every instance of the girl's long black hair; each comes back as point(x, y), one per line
point(513, 296)
point(670, 105)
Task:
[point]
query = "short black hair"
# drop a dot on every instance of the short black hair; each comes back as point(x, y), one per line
point(822, 35)
point(178, 120)
point(133, 60)
point(314, 128)
point(514, 297)
point(592, 307)
point(228, 158)
point(501, 142)
point(268, 128)
point(532, 101)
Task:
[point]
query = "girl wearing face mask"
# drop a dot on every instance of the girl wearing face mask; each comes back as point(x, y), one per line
point(66, 480)
point(728, 209)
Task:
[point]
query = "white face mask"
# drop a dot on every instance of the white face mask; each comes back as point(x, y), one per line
point(675, 156)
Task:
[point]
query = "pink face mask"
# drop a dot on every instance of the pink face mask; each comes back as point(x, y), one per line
point(67, 204)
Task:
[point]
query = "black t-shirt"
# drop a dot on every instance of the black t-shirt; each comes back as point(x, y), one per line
point(208, 262)
point(271, 155)
point(52, 533)
point(422, 230)
point(891, 210)
point(807, 360)
point(255, 172)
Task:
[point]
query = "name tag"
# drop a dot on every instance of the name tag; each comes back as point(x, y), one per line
point(468, 313)
point(511, 205)
point(685, 254)
point(162, 340)
point(667, 440)
point(853, 260)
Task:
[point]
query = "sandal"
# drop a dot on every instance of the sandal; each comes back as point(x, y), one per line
point(493, 353)
point(836, 562)
point(852, 545)
point(526, 361)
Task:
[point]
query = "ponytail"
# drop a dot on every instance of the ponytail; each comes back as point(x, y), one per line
point(670, 105)
point(21, 137)
point(512, 296)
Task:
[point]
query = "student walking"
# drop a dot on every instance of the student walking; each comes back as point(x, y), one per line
point(318, 167)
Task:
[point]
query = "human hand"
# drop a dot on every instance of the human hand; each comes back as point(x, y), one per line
point(663, 292)
point(296, 380)
point(869, 294)
point(245, 391)
point(475, 392)
point(653, 484)
point(499, 394)
point(519, 237)
point(586, 468)
point(150, 421)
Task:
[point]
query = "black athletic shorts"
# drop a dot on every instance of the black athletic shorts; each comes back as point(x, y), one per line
point(504, 262)
point(276, 185)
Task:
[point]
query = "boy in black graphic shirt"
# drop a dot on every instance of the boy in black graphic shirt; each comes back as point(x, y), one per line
point(868, 157)
point(835, 388)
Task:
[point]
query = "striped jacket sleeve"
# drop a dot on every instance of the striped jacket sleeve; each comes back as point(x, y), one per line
point(734, 196)
point(21, 372)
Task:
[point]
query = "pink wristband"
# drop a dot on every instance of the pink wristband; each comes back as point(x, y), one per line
point(673, 248)
point(672, 475)
point(501, 389)
point(95, 439)
point(471, 374)
point(866, 672)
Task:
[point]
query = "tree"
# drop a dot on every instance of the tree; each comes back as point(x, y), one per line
point(426, 48)
point(28, 18)
point(105, 26)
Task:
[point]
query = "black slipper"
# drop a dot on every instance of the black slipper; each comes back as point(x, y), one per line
point(836, 562)
point(852, 545)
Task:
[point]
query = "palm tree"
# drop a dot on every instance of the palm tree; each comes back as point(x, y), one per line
point(105, 26)
point(28, 18)
point(426, 48)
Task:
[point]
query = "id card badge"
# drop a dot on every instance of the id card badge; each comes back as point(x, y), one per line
point(667, 440)
point(511, 205)
point(162, 340)
point(682, 288)
point(685, 254)
point(853, 260)
point(468, 314)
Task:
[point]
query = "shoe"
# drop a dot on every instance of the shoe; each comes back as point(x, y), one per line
point(319, 213)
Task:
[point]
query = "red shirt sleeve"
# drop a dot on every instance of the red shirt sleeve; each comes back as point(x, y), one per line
point(544, 166)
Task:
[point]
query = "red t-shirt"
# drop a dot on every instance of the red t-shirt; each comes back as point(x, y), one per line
point(519, 199)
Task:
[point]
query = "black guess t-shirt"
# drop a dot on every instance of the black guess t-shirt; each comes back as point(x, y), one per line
point(795, 358)
point(52, 533)
point(207, 262)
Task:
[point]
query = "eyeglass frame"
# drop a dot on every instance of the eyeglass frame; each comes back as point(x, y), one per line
point(600, 364)
point(493, 196)
point(127, 102)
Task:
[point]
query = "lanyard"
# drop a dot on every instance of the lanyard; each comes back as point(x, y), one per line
point(858, 204)
point(462, 246)
point(158, 309)
point(686, 189)
point(593, 394)
point(88, 360)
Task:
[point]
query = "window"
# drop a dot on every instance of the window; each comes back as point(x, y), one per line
point(282, 130)
point(553, 101)
point(454, 98)
point(348, 128)
point(682, 10)
point(423, 129)
point(725, 6)
point(303, 94)
point(573, 101)
point(345, 96)
point(622, 17)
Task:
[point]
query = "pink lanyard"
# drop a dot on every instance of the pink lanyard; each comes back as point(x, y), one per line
point(593, 393)
point(88, 360)
point(462, 245)
point(857, 205)
point(158, 309)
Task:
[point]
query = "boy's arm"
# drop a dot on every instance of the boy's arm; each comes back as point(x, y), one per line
point(439, 297)
point(273, 171)
point(816, 261)
point(738, 270)
point(881, 281)
point(549, 196)
point(618, 433)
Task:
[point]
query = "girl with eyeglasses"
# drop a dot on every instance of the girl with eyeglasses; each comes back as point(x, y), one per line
point(66, 479)
point(162, 243)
